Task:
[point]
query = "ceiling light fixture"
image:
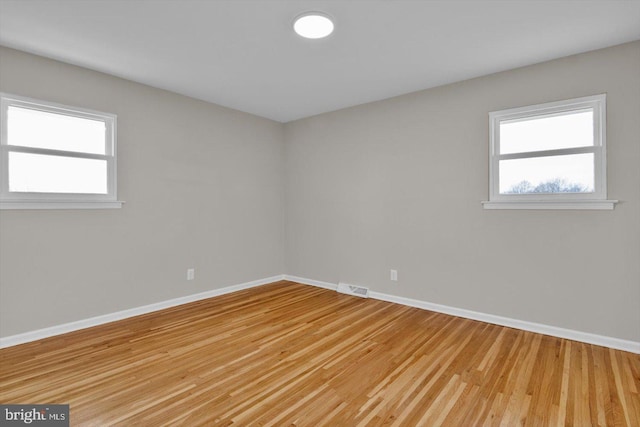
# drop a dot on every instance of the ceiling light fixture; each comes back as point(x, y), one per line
point(313, 25)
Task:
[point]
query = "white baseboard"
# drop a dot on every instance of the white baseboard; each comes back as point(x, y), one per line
point(99, 320)
point(616, 343)
point(317, 283)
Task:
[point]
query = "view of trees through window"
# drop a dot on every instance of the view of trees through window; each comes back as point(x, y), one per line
point(557, 185)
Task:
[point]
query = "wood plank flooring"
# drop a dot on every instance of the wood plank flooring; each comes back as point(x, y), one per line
point(288, 354)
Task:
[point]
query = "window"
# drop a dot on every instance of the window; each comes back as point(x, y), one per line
point(55, 156)
point(549, 156)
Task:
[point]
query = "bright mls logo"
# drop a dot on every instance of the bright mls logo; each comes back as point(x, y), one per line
point(34, 415)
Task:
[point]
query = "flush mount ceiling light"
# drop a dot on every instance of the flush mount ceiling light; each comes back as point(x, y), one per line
point(313, 25)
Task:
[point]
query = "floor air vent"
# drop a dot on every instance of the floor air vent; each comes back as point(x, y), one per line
point(357, 291)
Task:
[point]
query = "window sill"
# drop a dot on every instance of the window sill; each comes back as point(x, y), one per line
point(552, 205)
point(61, 205)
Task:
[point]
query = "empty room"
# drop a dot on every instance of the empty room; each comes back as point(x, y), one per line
point(320, 213)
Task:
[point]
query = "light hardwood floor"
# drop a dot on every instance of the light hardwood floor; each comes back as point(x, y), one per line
point(289, 354)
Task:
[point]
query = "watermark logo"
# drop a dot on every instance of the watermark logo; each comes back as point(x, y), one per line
point(34, 415)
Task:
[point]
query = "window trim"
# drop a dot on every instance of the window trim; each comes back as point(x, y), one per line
point(34, 200)
point(595, 200)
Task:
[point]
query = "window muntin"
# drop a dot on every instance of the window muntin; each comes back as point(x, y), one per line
point(549, 152)
point(55, 153)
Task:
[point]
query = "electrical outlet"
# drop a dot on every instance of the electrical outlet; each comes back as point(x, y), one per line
point(191, 273)
point(394, 275)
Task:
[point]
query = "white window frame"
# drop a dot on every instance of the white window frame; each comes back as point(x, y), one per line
point(594, 200)
point(34, 200)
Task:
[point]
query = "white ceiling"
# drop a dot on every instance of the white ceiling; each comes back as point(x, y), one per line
point(243, 54)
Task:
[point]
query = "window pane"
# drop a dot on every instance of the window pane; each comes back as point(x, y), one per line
point(40, 129)
point(570, 130)
point(54, 174)
point(543, 175)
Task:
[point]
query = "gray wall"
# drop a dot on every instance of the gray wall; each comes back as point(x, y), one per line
point(392, 184)
point(203, 187)
point(398, 184)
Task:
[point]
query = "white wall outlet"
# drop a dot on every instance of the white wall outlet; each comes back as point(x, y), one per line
point(394, 275)
point(191, 273)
